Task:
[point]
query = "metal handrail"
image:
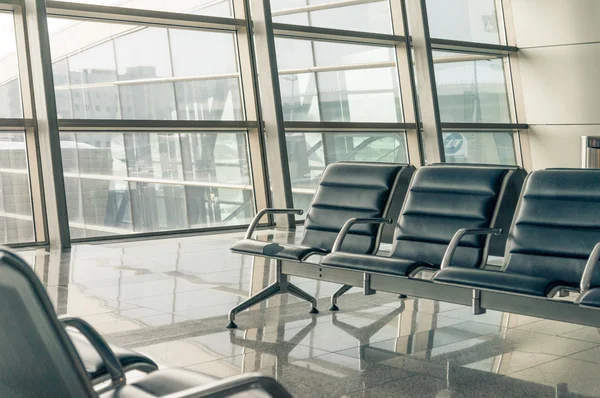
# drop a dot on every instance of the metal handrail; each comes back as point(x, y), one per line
point(350, 223)
point(590, 267)
point(113, 366)
point(453, 245)
point(264, 212)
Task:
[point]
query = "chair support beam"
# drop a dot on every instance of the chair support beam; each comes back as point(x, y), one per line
point(280, 286)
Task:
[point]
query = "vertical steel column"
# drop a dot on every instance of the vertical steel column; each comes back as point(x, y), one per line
point(513, 79)
point(408, 85)
point(31, 139)
point(46, 122)
point(425, 74)
point(249, 82)
point(272, 110)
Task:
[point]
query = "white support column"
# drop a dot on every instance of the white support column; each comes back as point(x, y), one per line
point(513, 76)
point(272, 110)
point(425, 75)
point(43, 111)
point(249, 83)
point(406, 74)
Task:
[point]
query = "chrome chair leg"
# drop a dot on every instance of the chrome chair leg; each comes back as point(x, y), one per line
point(269, 291)
point(282, 285)
point(301, 294)
point(336, 295)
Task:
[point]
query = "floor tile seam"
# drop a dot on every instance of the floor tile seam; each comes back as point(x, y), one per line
point(164, 273)
point(522, 327)
point(580, 359)
point(455, 342)
point(533, 366)
point(253, 351)
point(381, 384)
point(580, 340)
point(201, 325)
point(138, 320)
point(92, 295)
point(595, 345)
point(502, 327)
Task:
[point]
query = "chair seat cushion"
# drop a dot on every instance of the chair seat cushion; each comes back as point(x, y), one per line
point(496, 280)
point(591, 298)
point(95, 366)
point(372, 264)
point(275, 250)
point(160, 383)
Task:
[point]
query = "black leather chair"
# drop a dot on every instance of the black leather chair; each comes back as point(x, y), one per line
point(346, 190)
point(441, 200)
point(38, 359)
point(93, 362)
point(556, 227)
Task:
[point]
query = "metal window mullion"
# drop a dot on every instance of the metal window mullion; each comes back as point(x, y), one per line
point(512, 70)
point(408, 84)
point(272, 109)
point(63, 9)
point(425, 75)
point(248, 74)
point(44, 108)
point(27, 125)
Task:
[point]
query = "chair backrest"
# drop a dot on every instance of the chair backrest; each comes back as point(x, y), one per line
point(556, 226)
point(352, 190)
point(443, 199)
point(37, 359)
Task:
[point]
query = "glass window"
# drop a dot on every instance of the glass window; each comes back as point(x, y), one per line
point(10, 91)
point(325, 81)
point(121, 183)
point(109, 71)
point(464, 20)
point(310, 153)
point(16, 215)
point(480, 147)
point(218, 8)
point(372, 16)
point(471, 88)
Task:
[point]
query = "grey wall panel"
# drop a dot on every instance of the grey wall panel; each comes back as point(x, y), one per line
point(561, 85)
point(557, 146)
point(556, 22)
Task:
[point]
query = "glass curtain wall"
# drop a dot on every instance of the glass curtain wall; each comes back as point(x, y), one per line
point(122, 182)
point(472, 87)
point(16, 212)
point(156, 111)
point(337, 81)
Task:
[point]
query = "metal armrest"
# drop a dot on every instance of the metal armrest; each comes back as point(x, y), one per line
point(234, 385)
point(260, 215)
point(590, 267)
point(350, 223)
point(457, 238)
point(113, 366)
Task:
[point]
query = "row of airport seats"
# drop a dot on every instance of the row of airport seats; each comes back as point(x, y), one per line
point(44, 356)
point(547, 224)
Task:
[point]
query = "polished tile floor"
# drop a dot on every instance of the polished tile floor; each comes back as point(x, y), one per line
point(169, 298)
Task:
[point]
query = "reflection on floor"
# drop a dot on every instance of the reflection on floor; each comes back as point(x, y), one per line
point(169, 299)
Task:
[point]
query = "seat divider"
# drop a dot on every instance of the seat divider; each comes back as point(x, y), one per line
point(367, 290)
point(476, 304)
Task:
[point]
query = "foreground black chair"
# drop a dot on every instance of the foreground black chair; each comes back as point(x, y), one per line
point(441, 200)
point(554, 238)
point(346, 190)
point(39, 360)
point(94, 365)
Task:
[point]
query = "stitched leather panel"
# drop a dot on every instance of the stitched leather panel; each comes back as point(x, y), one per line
point(557, 225)
point(443, 199)
point(349, 190)
point(495, 280)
